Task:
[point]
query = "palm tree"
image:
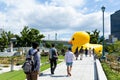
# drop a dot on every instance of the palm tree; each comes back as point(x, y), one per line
point(94, 37)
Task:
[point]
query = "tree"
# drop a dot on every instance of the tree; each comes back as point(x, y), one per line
point(29, 35)
point(94, 37)
point(59, 46)
point(5, 39)
point(47, 44)
point(109, 48)
point(34, 35)
point(117, 46)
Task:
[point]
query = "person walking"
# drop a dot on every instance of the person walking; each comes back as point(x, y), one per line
point(53, 57)
point(86, 52)
point(93, 51)
point(76, 53)
point(69, 61)
point(90, 52)
point(35, 56)
point(81, 51)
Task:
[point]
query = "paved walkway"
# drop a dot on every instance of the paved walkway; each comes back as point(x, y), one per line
point(82, 70)
point(7, 69)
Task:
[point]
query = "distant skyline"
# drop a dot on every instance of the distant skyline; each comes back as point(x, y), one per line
point(63, 17)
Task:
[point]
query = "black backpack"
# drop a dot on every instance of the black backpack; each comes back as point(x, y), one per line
point(29, 63)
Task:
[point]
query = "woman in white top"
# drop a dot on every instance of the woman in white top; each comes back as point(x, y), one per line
point(69, 61)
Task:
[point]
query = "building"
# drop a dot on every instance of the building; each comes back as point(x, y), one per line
point(112, 39)
point(115, 24)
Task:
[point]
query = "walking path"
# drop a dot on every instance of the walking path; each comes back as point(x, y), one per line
point(7, 69)
point(82, 70)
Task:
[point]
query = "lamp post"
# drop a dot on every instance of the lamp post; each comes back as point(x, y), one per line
point(103, 10)
point(56, 36)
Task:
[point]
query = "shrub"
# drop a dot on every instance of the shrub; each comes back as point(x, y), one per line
point(5, 65)
point(44, 54)
point(111, 75)
point(20, 63)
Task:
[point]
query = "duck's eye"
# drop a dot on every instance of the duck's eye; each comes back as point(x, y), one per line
point(72, 38)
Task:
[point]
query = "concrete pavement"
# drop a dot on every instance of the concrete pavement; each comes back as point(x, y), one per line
point(82, 70)
point(7, 69)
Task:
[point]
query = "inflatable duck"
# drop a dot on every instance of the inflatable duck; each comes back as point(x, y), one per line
point(82, 38)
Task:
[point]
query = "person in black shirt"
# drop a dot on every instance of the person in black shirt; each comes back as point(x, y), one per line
point(53, 56)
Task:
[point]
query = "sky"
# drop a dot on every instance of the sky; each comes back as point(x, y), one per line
point(63, 17)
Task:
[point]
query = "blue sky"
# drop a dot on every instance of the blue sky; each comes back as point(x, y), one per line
point(63, 17)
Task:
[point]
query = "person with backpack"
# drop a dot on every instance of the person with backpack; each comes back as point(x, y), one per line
point(32, 64)
point(53, 57)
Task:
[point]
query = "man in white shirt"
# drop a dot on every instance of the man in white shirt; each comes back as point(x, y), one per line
point(69, 61)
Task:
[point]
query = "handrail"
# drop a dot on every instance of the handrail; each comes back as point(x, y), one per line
point(101, 74)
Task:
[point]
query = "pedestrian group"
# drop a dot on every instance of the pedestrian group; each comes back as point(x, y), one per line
point(32, 65)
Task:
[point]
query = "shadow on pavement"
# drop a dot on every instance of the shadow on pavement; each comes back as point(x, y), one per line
point(45, 75)
point(58, 76)
point(42, 75)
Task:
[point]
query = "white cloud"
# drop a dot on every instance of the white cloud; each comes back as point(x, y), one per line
point(2, 19)
point(71, 3)
point(51, 19)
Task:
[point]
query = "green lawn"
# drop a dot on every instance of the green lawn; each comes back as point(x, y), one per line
point(19, 75)
point(15, 75)
point(111, 74)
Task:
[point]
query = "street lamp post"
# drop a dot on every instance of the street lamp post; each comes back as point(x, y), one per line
point(103, 10)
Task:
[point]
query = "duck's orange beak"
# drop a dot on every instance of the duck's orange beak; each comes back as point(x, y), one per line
point(70, 42)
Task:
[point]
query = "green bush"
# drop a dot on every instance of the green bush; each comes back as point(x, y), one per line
point(20, 63)
point(19, 75)
point(111, 74)
point(5, 65)
point(44, 54)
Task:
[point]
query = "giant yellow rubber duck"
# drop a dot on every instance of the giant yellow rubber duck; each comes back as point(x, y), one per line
point(82, 38)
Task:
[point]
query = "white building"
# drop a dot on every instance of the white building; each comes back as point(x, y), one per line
point(112, 38)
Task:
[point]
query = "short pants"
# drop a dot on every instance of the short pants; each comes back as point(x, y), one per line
point(69, 63)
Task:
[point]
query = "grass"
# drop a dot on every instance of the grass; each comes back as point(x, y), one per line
point(15, 75)
point(19, 75)
point(45, 60)
point(111, 74)
point(61, 57)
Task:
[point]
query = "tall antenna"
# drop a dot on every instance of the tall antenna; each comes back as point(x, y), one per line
point(55, 36)
point(48, 36)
